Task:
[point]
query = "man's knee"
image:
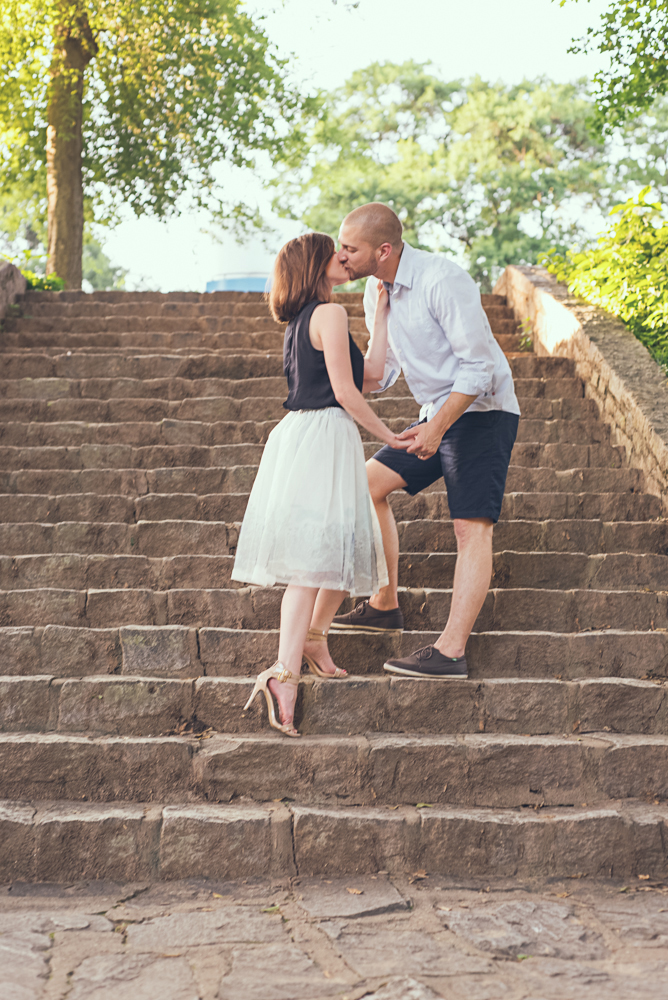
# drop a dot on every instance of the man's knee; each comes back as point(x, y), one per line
point(475, 530)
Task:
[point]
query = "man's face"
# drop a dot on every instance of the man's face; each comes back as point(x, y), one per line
point(356, 255)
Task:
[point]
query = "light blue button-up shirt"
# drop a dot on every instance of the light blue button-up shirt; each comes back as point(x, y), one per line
point(440, 337)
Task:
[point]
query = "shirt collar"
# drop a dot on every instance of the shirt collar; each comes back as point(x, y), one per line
point(406, 269)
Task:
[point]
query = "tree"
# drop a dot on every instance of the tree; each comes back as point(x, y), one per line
point(634, 34)
point(133, 103)
point(499, 173)
point(626, 272)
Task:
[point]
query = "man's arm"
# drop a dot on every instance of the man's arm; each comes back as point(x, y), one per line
point(457, 308)
point(427, 437)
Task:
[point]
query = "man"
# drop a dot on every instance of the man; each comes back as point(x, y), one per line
point(440, 337)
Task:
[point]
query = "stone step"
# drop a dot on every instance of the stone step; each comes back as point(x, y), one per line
point(239, 480)
point(132, 842)
point(202, 336)
point(159, 538)
point(171, 431)
point(424, 608)
point(489, 770)
point(230, 507)
point(175, 651)
point(63, 310)
point(258, 308)
point(239, 387)
point(49, 328)
point(207, 336)
point(254, 408)
point(127, 456)
point(147, 706)
point(542, 570)
point(150, 367)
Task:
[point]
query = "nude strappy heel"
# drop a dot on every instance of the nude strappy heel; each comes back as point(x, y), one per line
point(318, 635)
point(283, 676)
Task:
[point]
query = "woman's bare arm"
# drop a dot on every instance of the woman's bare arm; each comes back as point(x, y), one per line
point(329, 333)
point(374, 361)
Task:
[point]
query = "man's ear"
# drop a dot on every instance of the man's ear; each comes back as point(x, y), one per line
point(384, 251)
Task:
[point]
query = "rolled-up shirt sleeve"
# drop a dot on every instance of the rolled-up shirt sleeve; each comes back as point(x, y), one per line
point(457, 307)
point(392, 367)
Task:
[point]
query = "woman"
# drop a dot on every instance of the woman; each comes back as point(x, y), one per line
point(310, 522)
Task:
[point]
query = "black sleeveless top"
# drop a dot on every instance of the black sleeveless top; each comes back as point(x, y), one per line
point(309, 387)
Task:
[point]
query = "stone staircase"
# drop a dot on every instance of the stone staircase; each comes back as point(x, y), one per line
point(131, 426)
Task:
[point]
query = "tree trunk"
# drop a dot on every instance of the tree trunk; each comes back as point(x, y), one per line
point(73, 50)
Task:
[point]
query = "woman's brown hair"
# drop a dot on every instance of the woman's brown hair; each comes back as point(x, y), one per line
point(299, 275)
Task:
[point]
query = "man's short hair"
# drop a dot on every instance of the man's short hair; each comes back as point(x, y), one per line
point(378, 223)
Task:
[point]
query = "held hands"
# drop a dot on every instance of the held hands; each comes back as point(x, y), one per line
point(422, 440)
point(395, 441)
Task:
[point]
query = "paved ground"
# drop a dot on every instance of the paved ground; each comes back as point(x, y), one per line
point(416, 938)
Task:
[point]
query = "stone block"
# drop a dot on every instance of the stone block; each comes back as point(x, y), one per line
point(20, 652)
point(252, 968)
point(54, 766)
point(145, 976)
point(79, 651)
point(160, 651)
point(346, 840)
point(90, 841)
point(109, 608)
point(621, 705)
point(324, 900)
point(24, 703)
point(267, 767)
point(17, 842)
point(214, 841)
point(551, 842)
point(232, 652)
point(123, 705)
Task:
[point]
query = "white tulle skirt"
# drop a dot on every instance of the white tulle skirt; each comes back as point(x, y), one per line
point(310, 520)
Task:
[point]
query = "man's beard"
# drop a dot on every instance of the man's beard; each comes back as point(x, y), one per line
point(362, 270)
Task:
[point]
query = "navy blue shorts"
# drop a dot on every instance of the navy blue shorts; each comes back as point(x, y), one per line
point(473, 458)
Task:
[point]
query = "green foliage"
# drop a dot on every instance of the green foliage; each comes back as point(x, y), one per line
point(174, 88)
point(633, 33)
point(626, 272)
point(23, 238)
point(43, 283)
point(485, 169)
point(97, 268)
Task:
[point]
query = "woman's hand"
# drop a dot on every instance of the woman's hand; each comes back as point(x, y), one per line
point(383, 302)
point(399, 443)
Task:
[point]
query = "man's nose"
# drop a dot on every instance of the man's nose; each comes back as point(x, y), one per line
point(342, 256)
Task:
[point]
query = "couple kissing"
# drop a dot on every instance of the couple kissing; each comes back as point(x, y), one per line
point(318, 520)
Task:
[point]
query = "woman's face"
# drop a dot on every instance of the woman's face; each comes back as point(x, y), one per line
point(336, 272)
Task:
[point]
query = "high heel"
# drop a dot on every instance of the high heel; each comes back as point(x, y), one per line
point(318, 635)
point(283, 676)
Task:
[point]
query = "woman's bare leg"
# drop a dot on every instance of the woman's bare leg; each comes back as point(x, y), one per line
point(296, 612)
point(327, 603)
point(382, 482)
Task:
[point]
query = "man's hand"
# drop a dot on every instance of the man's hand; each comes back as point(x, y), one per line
point(425, 439)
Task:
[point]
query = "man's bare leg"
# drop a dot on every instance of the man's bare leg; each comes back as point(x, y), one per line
point(473, 573)
point(382, 482)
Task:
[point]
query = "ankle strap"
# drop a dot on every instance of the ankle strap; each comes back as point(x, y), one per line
point(283, 675)
point(316, 635)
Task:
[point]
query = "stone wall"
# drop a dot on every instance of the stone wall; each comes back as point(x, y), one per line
point(628, 386)
point(12, 283)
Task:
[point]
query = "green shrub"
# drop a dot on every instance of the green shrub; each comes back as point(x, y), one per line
point(626, 272)
point(42, 283)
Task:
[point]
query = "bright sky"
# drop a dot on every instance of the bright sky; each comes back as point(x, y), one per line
point(499, 39)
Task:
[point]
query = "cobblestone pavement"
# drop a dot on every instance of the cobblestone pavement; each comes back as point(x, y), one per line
point(415, 938)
